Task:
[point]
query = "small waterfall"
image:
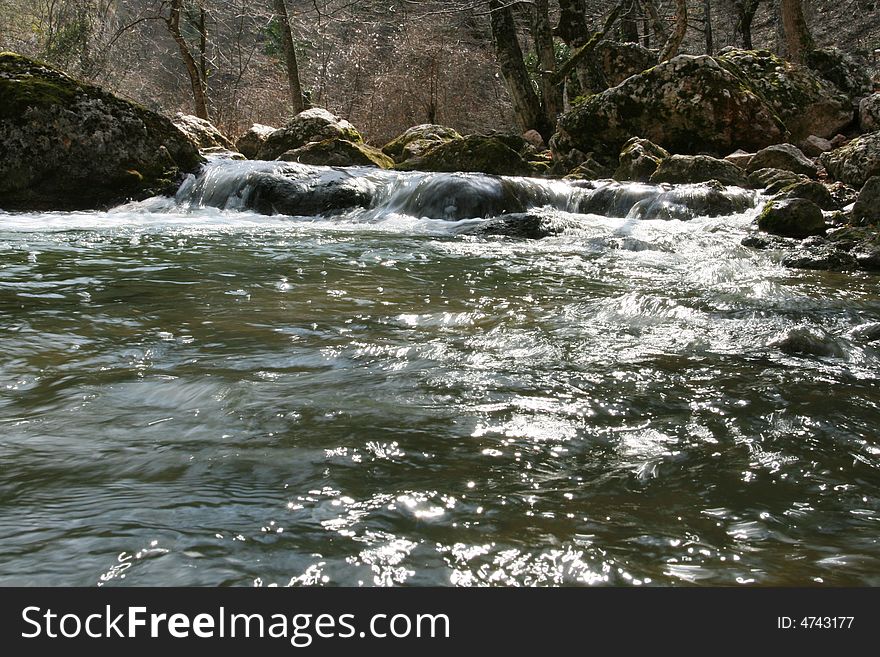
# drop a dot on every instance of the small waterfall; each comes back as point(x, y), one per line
point(369, 194)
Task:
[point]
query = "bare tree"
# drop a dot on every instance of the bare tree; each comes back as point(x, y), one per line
point(296, 94)
point(672, 45)
point(197, 74)
point(798, 40)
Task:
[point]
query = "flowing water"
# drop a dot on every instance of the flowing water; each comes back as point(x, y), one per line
point(197, 394)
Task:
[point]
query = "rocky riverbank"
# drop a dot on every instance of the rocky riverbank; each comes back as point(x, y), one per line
point(806, 139)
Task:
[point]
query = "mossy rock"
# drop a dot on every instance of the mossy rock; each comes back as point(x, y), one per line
point(687, 105)
point(418, 140)
point(69, 145)
point(202, 133)
point(773, 181)
point(697, 169)
point(639, 159)
point(475, 153)
point(798, 218)
point(856, 162)
point(812, 191)
point(785, 157)
point(339, 153)
point(315, 124)
point(805, 102)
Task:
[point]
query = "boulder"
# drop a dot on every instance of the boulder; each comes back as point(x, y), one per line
point(313, 124)
point(740, 158)
point(418, 140)
point(200, 132)
point(797, 218)
point(474, 153)
point(842, 70)
point(869, 113)
point(292, 193)
point(812, 191)
point(534, 138)
point(250, 143)
point(523, 225)
point(814, 146)
point(338, 153)
point(613, 62)
point(686, 105)
point(866, 210)
point(589, 169)
point(806, 103)
point(854, 163)
point(639, 159)
point(821, 258)
point(698, 168)
point(785, 157)
point(773, 181)
point(69, 145)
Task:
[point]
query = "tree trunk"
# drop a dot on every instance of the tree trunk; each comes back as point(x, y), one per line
point(629, 26)
point(670, 49)
point(798, 40)
point(573, 31)
point(707, 20)
point(551, 93)
point(296, 94)
point(745, 14)
point(198, 83)
point(581, 53)
point(508, 53)
point(659, 28)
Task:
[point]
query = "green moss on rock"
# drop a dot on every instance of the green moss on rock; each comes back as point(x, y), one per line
point(339, 153)
point(69, 145)
point(475, 153)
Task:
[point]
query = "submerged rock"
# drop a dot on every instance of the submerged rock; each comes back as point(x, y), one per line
point(338, 153)
point(698, 168)
point(69, 145)
point(855, 162)
point(475, 153)
point(524, 225)
point(785, 157)
point(804, 341)
point(200, 132)
point(641, 201)
point(639, 159)
point(822, 258)
point(250, 143)
point(313, 124)
point(792, 218)
point(462, 196)
point(418, 140)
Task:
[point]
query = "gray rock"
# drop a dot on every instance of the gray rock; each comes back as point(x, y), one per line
point(698, 168)
point(250, 143)
point(68, 145)
point(740, 158)
point(785, 157)
point(338, 153)
point(806, 103)
point(797, 218)
point(842, 70)
point(804, 341)
point(639, 159)
point(313, 124)
point(867, 207)
point(821, 259)
point(814, 146)
point(686, 105)
point(773, 181)
point(418, 140)
point(200, 132)
point(869, 113)
point(812, 191)
point(854, 163)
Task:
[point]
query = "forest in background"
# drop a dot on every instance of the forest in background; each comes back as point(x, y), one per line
point(383, 64)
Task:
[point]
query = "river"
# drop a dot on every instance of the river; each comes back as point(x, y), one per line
point(194, 393)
